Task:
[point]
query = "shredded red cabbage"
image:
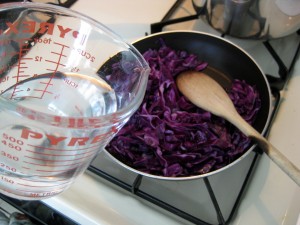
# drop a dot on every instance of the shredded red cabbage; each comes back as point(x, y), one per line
point(168, 135)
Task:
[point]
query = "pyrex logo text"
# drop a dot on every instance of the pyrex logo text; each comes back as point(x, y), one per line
point(70, 141)
point(41, 28)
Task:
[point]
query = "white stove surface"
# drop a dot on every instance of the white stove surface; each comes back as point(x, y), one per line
point(271, 199)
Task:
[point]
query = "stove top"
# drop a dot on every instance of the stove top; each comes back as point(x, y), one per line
point(109, 194)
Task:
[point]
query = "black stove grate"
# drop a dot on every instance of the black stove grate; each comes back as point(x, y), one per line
point(284, 70)
point(276, 84)
point(134, 188)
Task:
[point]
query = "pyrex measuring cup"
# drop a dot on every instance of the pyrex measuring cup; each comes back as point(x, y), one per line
point(67, 85)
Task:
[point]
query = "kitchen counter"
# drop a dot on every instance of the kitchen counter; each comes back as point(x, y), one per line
point(271, 198)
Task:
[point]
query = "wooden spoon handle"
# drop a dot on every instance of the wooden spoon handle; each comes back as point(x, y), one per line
point(279, 159)
point(274, 154)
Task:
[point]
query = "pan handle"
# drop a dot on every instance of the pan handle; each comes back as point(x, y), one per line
point(280, 160)
point(274, 154)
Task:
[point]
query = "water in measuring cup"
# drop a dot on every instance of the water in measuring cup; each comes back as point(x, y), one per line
point(39, 160)
point(64, 94)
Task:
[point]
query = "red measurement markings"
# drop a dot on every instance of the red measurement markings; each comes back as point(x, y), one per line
point(27, 168)
point(52, 179)
point(66, 160)
point(45, 186)
point(27, 185)
point(24, 59)
point(51, 171)
point(15, 92)
point(43, 92)
point(54, 70)
point(49, 154)
point(52, 165)
point(60, 56)
point(54, 62)
point(63, 150)
point(20, 70)
point(44, 194)
point(20, 66)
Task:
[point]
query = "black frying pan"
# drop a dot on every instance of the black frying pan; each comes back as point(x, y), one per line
point(226, 62)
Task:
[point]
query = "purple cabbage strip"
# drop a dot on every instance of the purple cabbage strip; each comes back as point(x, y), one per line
point(169, 136)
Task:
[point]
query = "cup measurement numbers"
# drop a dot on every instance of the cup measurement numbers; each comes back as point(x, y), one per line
point(48, 41)
point(6, 180)
point(14, 145)
point(12, 142)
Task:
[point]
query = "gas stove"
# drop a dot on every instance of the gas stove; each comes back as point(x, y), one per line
point(253, 192)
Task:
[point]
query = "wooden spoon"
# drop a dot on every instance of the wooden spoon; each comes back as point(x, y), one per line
point(207, 94)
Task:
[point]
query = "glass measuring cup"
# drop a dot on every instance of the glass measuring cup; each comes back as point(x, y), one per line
point(67, 85)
